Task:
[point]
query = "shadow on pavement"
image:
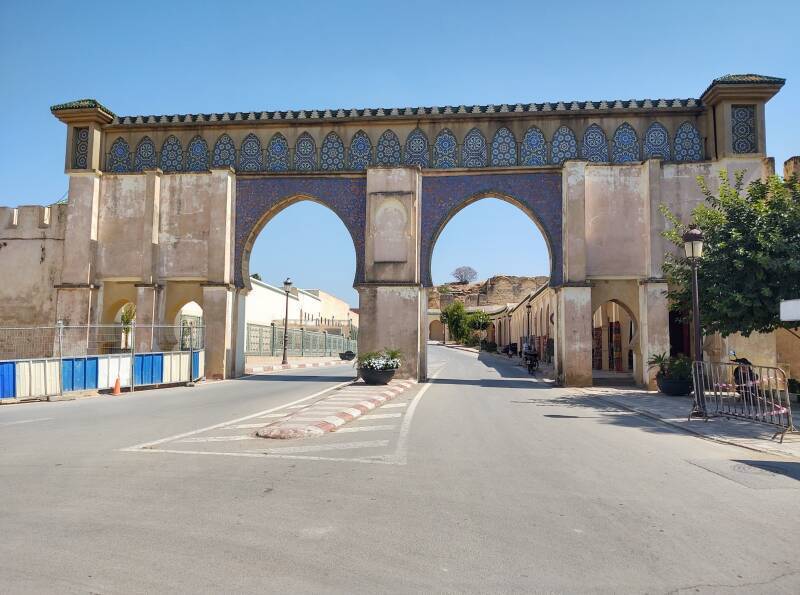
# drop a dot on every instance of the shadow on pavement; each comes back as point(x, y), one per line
point(788, 469)
point(296, 378)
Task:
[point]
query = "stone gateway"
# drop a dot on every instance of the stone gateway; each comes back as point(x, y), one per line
point(164, 210)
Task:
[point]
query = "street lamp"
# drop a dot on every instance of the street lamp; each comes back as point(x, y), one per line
point(693, 247)
point(528, 312)
point(287, 287)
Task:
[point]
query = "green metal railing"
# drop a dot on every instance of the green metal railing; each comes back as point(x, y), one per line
point(265, 339)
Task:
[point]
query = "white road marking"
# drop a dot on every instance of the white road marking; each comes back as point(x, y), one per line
point(25, 421)
point(145, 445)
point(374, 460)
point(394, 405)
point(246, 426)
point(323, 447)
point(273, 415)
point(365, 429)
point(217, 439)
point(401, 452)
point(380, 416)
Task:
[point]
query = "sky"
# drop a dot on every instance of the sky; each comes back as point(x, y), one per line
point(187, 57)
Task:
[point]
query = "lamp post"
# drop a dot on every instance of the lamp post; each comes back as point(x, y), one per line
point(528, 313)
point(693, 247)
point(287, 287)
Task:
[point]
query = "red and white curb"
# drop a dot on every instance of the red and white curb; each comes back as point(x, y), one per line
point(286, 428)
point(279, 367)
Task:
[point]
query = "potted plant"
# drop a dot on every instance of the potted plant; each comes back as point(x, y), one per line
point(378, 367)
point(674, 376)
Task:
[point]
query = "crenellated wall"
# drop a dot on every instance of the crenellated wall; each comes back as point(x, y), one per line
point(31, 255)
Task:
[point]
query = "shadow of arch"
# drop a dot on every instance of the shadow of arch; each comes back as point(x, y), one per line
point(538, 195)
point(259, 200)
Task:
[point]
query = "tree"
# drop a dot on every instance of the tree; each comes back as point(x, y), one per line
point(454, 317)
point(751, 255)
point(465, 274)
point(126, 318)
point(478, 321)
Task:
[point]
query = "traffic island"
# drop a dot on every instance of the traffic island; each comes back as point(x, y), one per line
point(339, 407)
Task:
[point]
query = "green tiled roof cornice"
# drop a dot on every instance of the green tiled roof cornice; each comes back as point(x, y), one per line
point(81, 104)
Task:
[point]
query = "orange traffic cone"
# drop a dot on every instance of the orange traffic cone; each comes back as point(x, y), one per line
point(116, 390)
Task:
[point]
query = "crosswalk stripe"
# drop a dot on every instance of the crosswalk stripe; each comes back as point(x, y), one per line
point(380, 416)
point(394, 405)
point(322, 447)
point(272, 415)
point(366, 429)
point(217, 439)
point(246, 426)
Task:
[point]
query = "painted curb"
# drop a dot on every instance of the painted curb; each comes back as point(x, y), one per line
point(285, 430)
point(280, 367)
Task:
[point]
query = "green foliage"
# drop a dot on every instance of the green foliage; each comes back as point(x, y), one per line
point(676, 368)
point(490, 346)
point(478, 321)
point(445, 289)
point(256, 276)
point(751, 257)
point(128, 315)
point(454, 317)
point(388, 359)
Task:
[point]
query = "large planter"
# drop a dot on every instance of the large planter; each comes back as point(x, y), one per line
point(376, 376)
point(674, 387)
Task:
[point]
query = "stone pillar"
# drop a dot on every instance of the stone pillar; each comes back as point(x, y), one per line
point(218, 317)
point(574, 335)
point(77, 293)
point(240, 334)
point(392, 301)
point(653, 328)
point(147, 299)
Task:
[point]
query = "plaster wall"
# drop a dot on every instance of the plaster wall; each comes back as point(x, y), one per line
point(31, 255)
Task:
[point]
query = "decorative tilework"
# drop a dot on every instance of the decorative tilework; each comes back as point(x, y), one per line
point(331, 155)
point(444, 150)
point(564, 146)
point(534, 148)
point(360, 151)
point(473, 153)
point(171, 155)
point(250, 156)
point(743, 119)
point(416, 152)
point(80, 148)
point(119, 157)
point(197, 155)
point(504, 148)
point(258, 199)
point(536, 193)
point(625, 144)
point(656, 142)
point(688, 146)
point(388, 149)
point(595, 146)
point(278, 153)
point(224, 152)
point(305, 153)
point(145, 155)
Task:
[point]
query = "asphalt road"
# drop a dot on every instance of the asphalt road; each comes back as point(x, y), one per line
point(484, 480)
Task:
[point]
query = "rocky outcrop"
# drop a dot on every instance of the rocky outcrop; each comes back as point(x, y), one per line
point(497, 290)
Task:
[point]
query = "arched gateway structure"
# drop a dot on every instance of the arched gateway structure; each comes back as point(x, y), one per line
point(165, 209)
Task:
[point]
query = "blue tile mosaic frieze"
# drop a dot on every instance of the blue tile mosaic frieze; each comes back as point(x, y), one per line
point(743, 123)
point(502, 149)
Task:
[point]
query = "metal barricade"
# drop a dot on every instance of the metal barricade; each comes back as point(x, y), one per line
point(754, 393)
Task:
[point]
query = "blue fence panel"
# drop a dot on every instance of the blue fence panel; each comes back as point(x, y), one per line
point(148, 368)
point(79, 373)
point(8, 380)
point(195, 365)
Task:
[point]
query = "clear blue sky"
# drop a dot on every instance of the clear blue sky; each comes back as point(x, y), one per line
point(178, 57)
